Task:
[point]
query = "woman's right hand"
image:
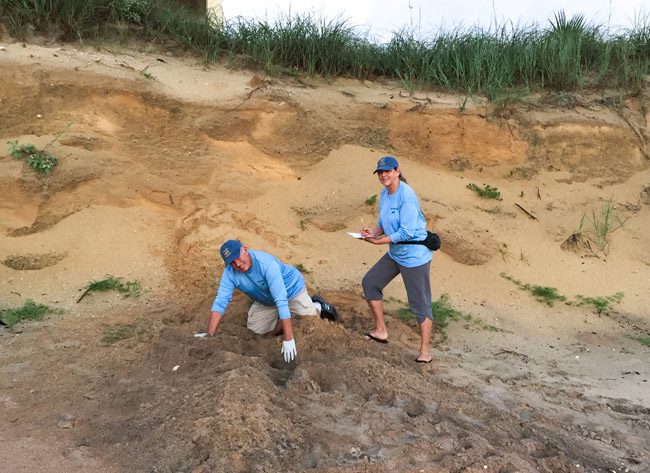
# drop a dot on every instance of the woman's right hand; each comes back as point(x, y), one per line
point(367, 232)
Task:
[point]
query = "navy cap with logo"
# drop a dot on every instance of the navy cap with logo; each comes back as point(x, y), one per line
point(386, 163)
point(230, 251)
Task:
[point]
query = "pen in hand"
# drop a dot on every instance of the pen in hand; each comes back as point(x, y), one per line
point(366, 232)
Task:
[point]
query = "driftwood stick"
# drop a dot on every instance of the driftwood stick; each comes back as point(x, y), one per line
point(511, 352)
point(83, 295)
point(526, 212)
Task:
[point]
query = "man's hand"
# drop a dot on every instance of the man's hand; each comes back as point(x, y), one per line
point(289, 350)
point(215, 318)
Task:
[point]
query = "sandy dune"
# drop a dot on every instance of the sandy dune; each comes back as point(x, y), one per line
point(155, 172)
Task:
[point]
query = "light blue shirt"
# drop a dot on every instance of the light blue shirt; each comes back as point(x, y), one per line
point(269, 281)
point(402, 219)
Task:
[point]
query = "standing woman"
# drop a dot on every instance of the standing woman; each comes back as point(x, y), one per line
point(400, 220)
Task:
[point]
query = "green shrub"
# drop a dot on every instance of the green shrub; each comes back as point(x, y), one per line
point(443, 312)
point(133, 11)
point(29, 311)
point(600, 304)
point(549, 295)
point(603, 224)
point(405, 314)
point(112, 283)
point(372, 200)
point(40, 161)
point(545, 294)
point(487, 192)
point(643, 340)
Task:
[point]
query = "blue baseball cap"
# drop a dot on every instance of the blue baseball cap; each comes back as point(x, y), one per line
point(230, 251)
point(386, 164)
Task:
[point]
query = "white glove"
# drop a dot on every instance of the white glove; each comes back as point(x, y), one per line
point(289, 350)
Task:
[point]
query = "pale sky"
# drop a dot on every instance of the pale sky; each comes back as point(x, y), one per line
point(382, 17)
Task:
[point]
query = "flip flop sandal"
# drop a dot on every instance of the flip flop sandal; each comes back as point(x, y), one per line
point(376, 339)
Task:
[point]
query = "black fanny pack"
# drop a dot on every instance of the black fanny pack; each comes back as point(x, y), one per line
point(432, 241)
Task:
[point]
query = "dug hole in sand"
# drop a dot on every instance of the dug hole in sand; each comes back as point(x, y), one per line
point(155, 173)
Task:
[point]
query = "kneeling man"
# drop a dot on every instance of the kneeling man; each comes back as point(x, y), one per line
point(278, 291)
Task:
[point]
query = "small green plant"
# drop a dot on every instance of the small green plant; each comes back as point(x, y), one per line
point(549, 295)
point(146, 74)
point(643, 340)
point(39, 160)
point(502, 98)
point(486, 192)
point(443, 312)
point(301, 268)
point(133, 11)
point(117, 332)
point(600, 304)
point(545, 294)
point(372, 200)
point(462, 102)
point(112, 283)
point(29, 311)
point(405, 314)
point(602, 225)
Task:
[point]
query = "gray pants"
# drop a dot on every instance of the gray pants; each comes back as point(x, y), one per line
point(416, 281)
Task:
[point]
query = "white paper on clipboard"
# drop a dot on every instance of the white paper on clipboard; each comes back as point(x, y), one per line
point(355, 235)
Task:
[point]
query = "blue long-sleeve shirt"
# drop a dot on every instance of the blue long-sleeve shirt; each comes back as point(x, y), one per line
point(268, 281)
point(402, 219)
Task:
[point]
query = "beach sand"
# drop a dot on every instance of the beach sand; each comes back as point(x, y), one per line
point(163, 157)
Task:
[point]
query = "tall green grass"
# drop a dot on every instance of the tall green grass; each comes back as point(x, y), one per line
point(566, 54)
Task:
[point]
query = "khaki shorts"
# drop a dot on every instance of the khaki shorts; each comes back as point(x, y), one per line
point(263, 319)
